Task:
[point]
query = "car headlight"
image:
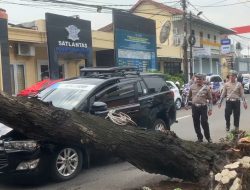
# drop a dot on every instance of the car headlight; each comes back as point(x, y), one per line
point(21, 145)
point(28, 165)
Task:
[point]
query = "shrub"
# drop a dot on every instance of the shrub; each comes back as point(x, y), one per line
point(175, 78)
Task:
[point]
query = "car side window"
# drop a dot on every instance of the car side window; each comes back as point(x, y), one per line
point(139, 88)
point(142, 89)
point(118, 95)
point(170, 86)
point(155, 84)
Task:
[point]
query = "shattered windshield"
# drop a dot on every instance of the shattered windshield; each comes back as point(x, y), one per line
point(66, 96)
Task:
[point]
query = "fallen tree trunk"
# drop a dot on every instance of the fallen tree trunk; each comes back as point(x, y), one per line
point(152, 151)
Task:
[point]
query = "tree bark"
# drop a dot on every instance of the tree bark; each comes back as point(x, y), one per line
point(151, 151)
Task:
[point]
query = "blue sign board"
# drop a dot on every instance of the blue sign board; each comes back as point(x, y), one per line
point(225, 41)
point(135, 49)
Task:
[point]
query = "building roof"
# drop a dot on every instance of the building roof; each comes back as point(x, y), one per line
point(221, 29)
point(159, 5)
point(242, 29)
point(174, 11)
point(109, 27)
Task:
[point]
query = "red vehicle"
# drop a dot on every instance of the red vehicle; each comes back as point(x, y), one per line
point(36, 88)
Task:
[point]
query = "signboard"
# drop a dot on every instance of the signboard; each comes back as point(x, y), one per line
point(135, 49)
point(135, 41)
point(225, 46)
point(225, 41)
point(202, 52)
point(225, 49)
point(67, 38)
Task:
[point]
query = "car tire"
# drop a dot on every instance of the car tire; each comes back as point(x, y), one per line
point(66, 163)
point(178, 104)
point(159, 125)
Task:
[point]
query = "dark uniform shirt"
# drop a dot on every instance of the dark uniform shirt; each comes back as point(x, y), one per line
point(200, 96)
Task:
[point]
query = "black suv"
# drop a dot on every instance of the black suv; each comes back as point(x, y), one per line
point(144, 97)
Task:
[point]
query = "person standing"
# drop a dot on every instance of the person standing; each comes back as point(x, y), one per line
point(232, 91)
point(201, 97)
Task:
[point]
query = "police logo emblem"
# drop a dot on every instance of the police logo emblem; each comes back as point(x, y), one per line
point(73, 32)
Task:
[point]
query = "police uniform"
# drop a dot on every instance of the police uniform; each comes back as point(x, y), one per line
point(232, 91)
point(200, 94)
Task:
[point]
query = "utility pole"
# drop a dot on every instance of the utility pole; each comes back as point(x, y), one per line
point(191, 43)
point(185, 44)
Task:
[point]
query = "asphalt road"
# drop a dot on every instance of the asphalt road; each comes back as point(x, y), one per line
point(124, 176)
point(185, 130)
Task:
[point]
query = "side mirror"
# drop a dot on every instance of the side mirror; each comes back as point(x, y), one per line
point(98, 108)
point(166, 88)
point(151, 90)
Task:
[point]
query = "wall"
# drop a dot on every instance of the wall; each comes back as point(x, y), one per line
point(105, 58)
point(26, 35)
point(102, 40)
point(165, 49)
point(29, 63)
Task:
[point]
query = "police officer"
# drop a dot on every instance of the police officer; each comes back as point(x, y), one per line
point(200, 94)
point(232, 91)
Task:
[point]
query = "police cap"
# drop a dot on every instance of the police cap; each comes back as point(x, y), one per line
point(200, 76)
point(233, 72)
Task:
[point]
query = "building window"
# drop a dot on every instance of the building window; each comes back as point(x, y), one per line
point(201, 39)
point(44, 69)
point(177, 40)
point(119, 95)
point(172, 67)
point(61, 71)
point(176, 31)
point(17, 77)
point(215, 40)
point(208, 36)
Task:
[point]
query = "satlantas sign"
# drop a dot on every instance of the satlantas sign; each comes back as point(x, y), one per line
point(73, 32)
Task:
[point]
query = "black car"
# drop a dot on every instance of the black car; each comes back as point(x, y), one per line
point(144, 97)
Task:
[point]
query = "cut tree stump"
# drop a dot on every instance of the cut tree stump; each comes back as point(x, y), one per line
point(148, 150)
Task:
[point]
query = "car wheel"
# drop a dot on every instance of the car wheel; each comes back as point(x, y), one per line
point(178, 104)
point(66, 163)
point(159, 125)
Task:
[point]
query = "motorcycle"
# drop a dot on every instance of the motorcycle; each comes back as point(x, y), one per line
point(184, 94)
point(216, 92)
point(215, 88)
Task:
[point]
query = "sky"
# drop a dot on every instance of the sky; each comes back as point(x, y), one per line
point(226, 13)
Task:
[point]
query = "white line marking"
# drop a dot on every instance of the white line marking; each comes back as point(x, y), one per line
point(183, 117)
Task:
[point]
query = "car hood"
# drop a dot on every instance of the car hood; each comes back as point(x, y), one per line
point(4, 129)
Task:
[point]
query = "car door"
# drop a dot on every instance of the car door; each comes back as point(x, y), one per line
point(146, 102)
point(172, 88)
point(155, 101)
point(121, 97)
